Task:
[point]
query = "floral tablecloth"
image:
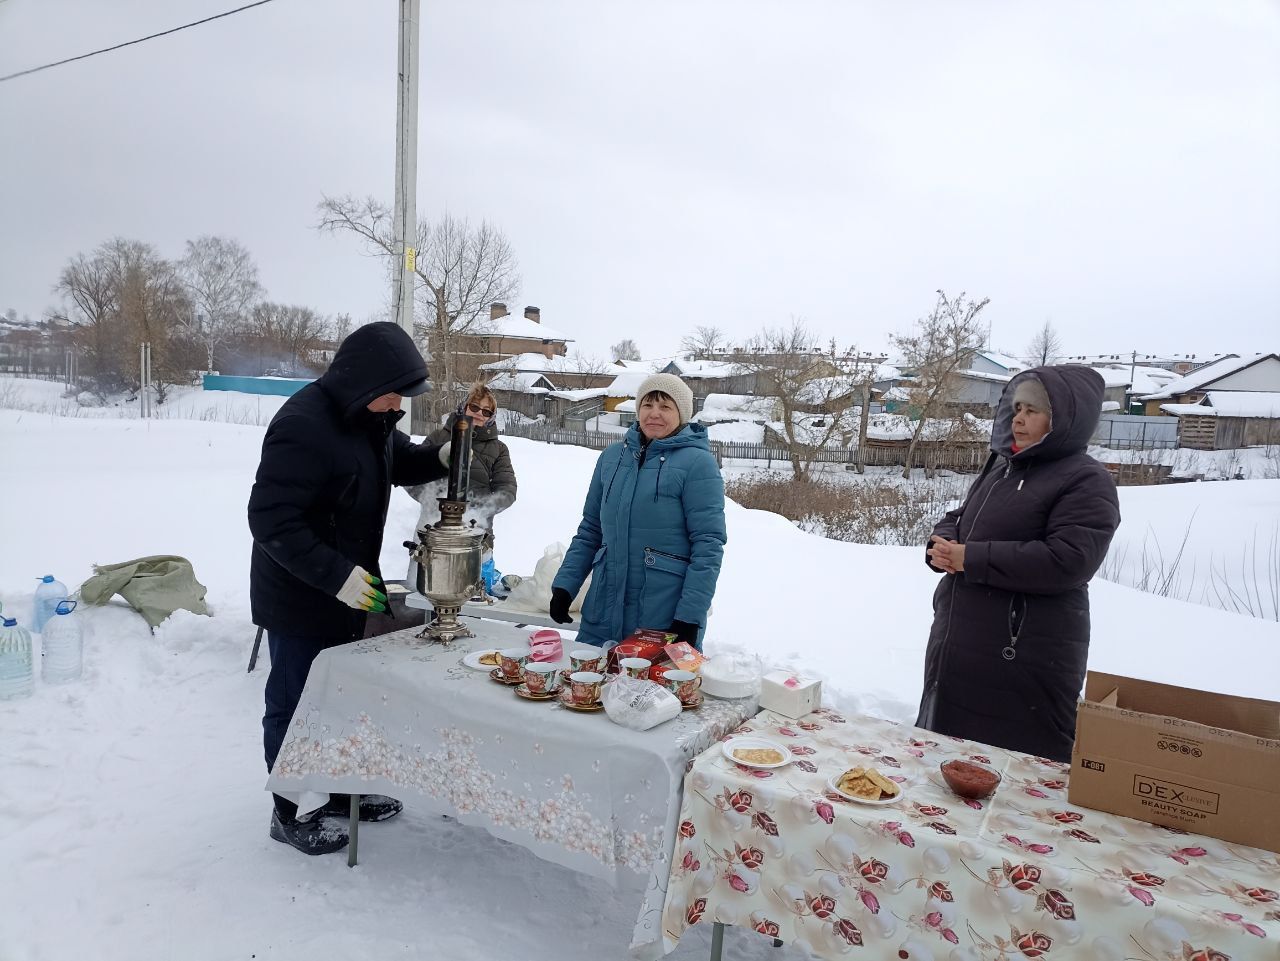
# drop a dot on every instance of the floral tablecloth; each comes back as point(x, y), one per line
point(393, 715)
point(1021, 875)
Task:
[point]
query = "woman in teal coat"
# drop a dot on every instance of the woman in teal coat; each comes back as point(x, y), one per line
point(652, 534)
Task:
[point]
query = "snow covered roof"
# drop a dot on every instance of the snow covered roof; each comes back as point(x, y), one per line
point(626, 407)
point(582, 393)
point(626, 385)
point(823, 389)
point(1206, 375)
point(540, 363)
point(695, 369)
point(1230, 403)
point(1011, 364)
point(1114, 376)
point(513, 325)
point(1110, 406)
point(983, 375)
point(647, 366)
point(730, 408)
point(522, 382)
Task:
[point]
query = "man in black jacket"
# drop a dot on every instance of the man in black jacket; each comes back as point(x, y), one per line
point(317, 513)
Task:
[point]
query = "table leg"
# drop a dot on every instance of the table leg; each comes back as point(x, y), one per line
point(717, 941)
point(353, 831)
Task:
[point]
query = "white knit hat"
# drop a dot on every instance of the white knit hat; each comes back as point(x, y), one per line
point(673, 387)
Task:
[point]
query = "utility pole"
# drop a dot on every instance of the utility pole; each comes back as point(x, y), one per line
point(405, 222)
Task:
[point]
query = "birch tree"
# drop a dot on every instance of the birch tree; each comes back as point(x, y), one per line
point(941, 345)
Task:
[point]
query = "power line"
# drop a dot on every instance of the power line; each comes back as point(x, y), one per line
point(129, 43)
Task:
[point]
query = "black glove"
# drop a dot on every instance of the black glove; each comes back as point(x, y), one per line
point(684, 631)
point(559, 609)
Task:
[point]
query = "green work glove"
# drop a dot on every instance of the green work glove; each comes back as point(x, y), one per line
point(360, 593)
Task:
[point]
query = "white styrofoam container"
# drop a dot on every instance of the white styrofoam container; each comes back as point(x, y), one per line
point(724, 676)
point(790, 695)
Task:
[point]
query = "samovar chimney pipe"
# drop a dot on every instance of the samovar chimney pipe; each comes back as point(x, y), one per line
point(459, 460)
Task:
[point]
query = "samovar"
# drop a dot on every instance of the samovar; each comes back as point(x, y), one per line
point(449, 553)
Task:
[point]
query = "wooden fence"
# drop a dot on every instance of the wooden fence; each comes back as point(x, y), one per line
point(963, 458)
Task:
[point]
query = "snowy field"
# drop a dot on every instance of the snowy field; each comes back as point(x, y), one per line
point(134, 820)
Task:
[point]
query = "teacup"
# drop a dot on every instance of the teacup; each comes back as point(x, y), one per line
point(584, 687)
point(541, 678)
point(512, 661)
point(683, 684)
point(586, 659)
point(637, 667)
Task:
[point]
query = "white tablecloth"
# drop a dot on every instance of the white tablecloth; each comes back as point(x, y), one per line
point(394, 715)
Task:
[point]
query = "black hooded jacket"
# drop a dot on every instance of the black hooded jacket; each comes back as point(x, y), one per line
point(1010, 639)
point(319, 502)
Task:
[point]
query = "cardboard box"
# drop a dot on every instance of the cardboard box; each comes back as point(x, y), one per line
point(789, 694)
point(1206, 763)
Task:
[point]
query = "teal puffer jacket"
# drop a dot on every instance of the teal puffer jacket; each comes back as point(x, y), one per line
point(652, 536)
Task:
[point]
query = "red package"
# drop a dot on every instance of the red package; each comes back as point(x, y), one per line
point(651, 650)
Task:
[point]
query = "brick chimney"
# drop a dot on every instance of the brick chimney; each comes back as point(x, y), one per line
point(534, 314)
point(497, 309)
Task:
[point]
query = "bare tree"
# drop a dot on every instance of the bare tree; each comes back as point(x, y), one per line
point(811, 385)
point(153, 306)
point(222, 283)
point(461, 269)
point(90, 288)
point(704, 342)
point(1045, 347)
point(286, 336)
point(120, 296)
point(625, 350)
point(941, 345)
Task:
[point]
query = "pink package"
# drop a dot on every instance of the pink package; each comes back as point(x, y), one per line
point(545, 647)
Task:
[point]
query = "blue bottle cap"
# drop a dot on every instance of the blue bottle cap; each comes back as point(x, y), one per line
point(10, 622)
point(47, 579)
point(65, 607)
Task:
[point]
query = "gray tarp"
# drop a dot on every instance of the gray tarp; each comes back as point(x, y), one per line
point(154, 586)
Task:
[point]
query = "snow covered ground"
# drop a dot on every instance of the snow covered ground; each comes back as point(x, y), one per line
point(133, 824)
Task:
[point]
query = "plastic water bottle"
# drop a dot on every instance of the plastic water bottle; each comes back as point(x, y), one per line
point(62, 646)
point(15, 660)
point(48, 594)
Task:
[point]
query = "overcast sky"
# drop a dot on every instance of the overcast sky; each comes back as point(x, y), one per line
point(1113, 167)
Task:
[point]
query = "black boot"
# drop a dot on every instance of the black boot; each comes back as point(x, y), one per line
point(373, 807)
point(315, 835)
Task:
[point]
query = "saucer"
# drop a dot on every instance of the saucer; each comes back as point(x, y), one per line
point(586, 708)
point(497, 675)
point(472, 660)
point(522, 689)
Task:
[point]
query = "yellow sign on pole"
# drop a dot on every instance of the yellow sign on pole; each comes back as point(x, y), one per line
point(410, 259)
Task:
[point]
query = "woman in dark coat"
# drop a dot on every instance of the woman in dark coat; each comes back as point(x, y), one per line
point(493, 480)
point(492, 485)
point(1010, 640)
